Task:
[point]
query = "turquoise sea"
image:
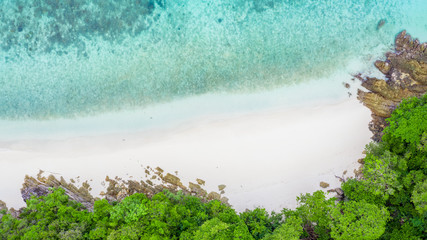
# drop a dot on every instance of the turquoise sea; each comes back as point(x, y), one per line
point(76, 58)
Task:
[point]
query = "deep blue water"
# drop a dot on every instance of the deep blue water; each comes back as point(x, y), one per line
point(71, 58)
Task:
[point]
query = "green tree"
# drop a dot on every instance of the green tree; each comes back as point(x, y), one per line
point(290, 230)
point(357, 220)
point(258, 222)
point(217, 229)
point(52, 216)
point(406, 134)
point(419, 197)
point(381, 179)
point(314, 211)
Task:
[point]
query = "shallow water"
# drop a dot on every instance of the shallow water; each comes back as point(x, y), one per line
point(65, 59)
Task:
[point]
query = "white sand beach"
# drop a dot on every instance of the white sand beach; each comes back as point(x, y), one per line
point(265, 158)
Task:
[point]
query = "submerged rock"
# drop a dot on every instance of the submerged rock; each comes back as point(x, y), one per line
point(380, 24)
point(405, 72)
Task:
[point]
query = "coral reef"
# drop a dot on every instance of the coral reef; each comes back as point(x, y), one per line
point(405, 70)
point(52, 26)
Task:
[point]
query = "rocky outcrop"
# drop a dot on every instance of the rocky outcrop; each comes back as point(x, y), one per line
point(117, 188)
point(405, 72)
point(41, 185)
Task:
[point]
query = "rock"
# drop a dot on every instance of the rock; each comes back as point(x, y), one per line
point(358, 173)
point(339, 191)
point(149, 182)
point(40, 187)
point(346, 85)
point(33, 189)
point(378, 105)
point(221, 187)
point(214, 196)
point(377, 126)
point(3, 205)
point(200, 181)
point(195, 188)
point(122, 194)
point(405, 72)
point(384, 67)
point(339, 197)
point(174, 180)
point(380, 24)
point(116, 190)
point(225, 200)
point(324, 184)
point(391, 92)
point(15, 213)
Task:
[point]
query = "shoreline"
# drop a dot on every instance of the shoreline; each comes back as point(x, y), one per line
point(251, 153)
point(185, 111)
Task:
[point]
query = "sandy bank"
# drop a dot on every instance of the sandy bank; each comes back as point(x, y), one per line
point(266, 158)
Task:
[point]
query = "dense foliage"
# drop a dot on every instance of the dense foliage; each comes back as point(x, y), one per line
point(389, 202)
point(395, 172)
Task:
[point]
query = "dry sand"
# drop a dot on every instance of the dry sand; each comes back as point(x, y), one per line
point(265, 158)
